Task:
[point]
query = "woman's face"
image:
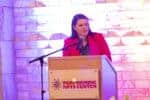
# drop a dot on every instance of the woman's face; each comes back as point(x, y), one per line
point(82, 27)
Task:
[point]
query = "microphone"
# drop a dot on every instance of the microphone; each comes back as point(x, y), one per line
point(80, 44)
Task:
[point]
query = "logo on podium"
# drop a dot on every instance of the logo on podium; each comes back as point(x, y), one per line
point(56, 84)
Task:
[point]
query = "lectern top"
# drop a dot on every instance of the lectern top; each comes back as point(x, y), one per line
point(74, 62)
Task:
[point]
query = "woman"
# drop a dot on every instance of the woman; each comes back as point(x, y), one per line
point(83, 41)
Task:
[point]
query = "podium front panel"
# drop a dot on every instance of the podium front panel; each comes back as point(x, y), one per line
point(67, 75)
point(74, 84)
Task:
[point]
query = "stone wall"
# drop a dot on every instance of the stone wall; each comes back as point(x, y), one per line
point(128, 38)
point(7, 65)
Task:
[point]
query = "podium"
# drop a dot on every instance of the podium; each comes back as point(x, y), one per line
point(81, 78)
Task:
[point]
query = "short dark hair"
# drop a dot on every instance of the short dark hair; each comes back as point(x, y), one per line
point(74, 22)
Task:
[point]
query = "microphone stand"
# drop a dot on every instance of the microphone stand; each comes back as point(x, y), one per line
point(42, 62)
